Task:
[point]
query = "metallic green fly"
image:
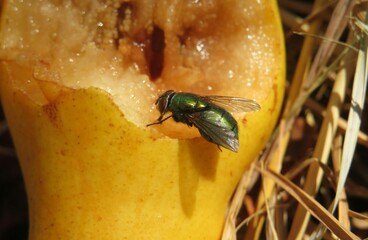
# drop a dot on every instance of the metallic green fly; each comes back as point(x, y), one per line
point(207, 113)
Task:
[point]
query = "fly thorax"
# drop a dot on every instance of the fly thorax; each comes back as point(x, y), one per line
point(187, 103)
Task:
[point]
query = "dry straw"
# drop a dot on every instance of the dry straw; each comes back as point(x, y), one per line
point(276, 198)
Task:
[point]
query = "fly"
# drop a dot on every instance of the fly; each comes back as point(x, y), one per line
point(210, 114)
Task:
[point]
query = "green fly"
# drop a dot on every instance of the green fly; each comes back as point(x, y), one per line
point(210, 114)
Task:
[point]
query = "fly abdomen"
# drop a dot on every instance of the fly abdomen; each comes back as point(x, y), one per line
point(218, 126)
point(222, 118)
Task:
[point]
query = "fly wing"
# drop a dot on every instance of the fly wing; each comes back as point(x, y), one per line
point(215, 133)
point(234, 104)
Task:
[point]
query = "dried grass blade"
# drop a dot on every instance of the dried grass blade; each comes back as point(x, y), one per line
point(273, 158)
point(354, 120)
point(316, 209)
point(343, 208)
point(337, 25)
point(342, 124)
point(280, 142)
point(321, 152)
point(293, 21)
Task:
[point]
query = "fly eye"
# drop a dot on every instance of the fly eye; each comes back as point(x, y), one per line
point(162, 105)
point(164, 100)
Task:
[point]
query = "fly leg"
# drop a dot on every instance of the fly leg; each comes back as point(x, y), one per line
point(159, 120)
